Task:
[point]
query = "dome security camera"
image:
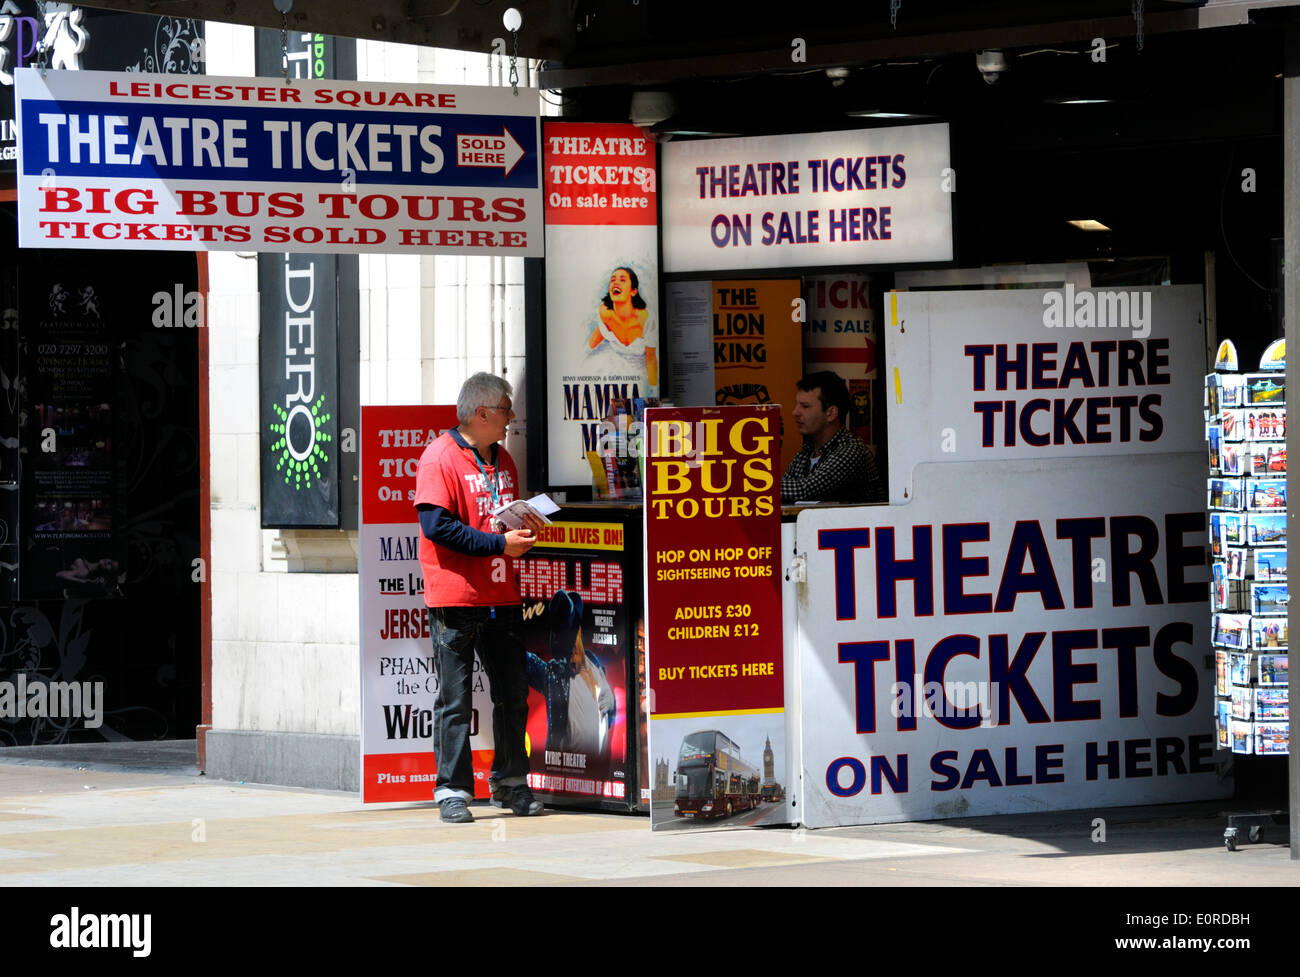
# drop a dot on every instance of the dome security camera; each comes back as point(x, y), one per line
point(650, 108)
point(991, 64)
point(838, 76)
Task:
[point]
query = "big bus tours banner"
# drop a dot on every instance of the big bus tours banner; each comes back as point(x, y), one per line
point(398, 678)
point(578, 618)
point(112, 160)
point(602, 284)
point(713, 606)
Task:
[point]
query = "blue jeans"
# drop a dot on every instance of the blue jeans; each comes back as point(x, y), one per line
point(496, 633)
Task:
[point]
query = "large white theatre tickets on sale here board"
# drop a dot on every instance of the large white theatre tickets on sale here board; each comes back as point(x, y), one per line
point(1027, 628)
point(109, 160)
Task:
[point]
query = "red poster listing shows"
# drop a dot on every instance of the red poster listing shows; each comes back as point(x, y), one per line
point(394, 439)
point(597, 173)
point(713, 528)
point(398, 677)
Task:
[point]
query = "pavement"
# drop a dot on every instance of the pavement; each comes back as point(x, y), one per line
point(142, 815)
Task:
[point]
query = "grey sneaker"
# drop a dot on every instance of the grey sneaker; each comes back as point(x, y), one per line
point(454, 810)
point(519, 799)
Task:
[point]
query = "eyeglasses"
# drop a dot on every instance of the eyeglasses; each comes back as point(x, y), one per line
point(509, 408)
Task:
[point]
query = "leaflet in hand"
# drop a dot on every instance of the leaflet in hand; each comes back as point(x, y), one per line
point(511, 514)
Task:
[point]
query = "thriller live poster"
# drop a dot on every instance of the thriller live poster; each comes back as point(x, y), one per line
point(578, 604)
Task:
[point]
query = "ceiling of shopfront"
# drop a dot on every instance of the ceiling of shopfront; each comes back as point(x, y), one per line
point(1152, 140)
point(714, 37)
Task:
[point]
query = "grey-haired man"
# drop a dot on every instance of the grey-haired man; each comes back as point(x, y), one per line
point(473, 597)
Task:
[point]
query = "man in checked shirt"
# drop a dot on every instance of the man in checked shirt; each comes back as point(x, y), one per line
point(833, 465)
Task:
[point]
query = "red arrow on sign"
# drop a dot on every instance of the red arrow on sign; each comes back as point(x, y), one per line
point(502, 151)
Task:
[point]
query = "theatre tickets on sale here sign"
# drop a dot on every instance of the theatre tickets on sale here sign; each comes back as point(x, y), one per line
point(110, 160)
point(860, 197)
point(1025, 627)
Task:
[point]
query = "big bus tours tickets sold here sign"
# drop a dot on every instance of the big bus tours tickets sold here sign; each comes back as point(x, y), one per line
point(112, 160)
point(713, 606)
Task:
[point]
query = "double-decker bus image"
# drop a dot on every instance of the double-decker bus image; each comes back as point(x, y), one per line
point(773, 792)
point(712, 779)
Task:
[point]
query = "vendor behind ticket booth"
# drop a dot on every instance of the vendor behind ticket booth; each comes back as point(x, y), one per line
point(833, 465)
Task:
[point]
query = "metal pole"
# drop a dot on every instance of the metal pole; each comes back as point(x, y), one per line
point(1291, 316)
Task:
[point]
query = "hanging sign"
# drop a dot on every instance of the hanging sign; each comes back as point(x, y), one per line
point(862, 197)
point(114, 160)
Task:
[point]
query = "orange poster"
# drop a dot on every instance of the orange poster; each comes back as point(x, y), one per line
point(757, 348)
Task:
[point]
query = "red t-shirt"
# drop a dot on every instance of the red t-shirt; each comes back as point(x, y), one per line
point(449, 476)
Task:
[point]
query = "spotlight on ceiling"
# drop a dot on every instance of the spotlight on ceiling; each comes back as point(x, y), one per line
point(838, 76)
point(885, 114)
point(1089, 225)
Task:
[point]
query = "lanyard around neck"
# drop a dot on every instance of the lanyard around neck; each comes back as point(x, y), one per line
point(493, 483)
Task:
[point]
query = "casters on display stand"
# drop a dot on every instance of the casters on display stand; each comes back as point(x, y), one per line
point(1253, 825)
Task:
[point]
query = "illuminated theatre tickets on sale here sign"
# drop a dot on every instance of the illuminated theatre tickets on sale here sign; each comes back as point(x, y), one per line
point(859, 197)
point(713, 608)
point(111, 160)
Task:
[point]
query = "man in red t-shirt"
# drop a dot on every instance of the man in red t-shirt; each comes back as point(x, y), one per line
point(473, 600)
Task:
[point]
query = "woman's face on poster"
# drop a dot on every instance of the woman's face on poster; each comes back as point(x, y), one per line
point(620, 285)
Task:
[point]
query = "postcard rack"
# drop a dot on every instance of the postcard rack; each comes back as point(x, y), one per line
point(1246, 498)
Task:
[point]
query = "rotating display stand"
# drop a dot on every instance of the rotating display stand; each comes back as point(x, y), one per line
point(1246, 497)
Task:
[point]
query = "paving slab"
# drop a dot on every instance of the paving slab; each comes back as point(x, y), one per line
point(64, 824)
